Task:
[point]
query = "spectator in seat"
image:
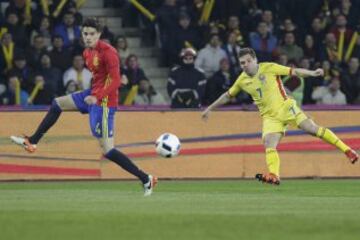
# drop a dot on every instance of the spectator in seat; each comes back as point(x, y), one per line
point(78, 73)
point(71, 7)
point(133, 71)
point(209, 57)
point(147, 95)
point(288, 26)
point(341, 28)
point(52, 76)
point(330, 94)
point(17, 30)
point(7, 52)
point(293, 51)
point(19, 8)
point(45, 95)
point(34, 52)
point(121, 45)
point(186, 83)
point(267, 17)
point(44, 29)
point(23, 72)
point(68, 30)
point(263, 42)
point(60, 57)
point(310, 51)
point(233, 26)
point(8, 97)
point(185, 36)
point(220, 82)
point(317, 32)
point(329, 50)
point(350, 80)
point(134, 74)
point(71, 87)
point(282, 59)
point(232, 50)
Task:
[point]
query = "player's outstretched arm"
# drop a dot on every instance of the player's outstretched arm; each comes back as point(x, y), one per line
point(223, 99)
point(302, 72)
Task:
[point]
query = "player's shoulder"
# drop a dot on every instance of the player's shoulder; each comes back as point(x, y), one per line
point(106, 47)
point(85, 52)
point(242, 76)
point(240, 79)
point(268, 66)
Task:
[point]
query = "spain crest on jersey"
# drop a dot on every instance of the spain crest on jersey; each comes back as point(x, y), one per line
point(96, 61)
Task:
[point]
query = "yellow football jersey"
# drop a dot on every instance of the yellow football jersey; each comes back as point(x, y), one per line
point(265, 88)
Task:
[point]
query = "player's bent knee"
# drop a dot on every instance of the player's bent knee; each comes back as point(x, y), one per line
point(106, 153)
point(106, 150)
point(271, 140)
point(310, 127)
point(106, 145)
point(55, 106)
point(313, 130)
point(270, 144)
point(65, 102)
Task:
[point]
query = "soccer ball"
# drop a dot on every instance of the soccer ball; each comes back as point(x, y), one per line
point(168, 145)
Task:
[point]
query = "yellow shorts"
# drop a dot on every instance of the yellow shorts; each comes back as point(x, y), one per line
point(289, 113)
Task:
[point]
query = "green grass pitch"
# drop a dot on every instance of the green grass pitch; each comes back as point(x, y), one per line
point(297, 209)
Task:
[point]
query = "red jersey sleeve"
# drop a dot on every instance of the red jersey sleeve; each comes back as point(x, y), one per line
point(112, 64)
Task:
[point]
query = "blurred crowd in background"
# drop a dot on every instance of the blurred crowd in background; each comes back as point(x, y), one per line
point(199, 47)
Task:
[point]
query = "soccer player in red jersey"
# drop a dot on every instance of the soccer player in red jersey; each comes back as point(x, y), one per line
point(99, 102)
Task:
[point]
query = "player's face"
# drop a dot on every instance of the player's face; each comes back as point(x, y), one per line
point(90, 36)
point(248, 64)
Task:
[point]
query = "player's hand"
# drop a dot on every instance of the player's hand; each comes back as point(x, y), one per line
point(318, 72)
point(90, 100)
point(205, 115)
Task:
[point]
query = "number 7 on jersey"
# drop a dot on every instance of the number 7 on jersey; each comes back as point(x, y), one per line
point(259, 91)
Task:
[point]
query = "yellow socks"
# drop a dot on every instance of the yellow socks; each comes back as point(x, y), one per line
point(273, 161)
point(328, 136)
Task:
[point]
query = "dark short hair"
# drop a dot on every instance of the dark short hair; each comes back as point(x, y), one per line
point(57, 36)
point(93, 23)
point(245, 51)
point(40, 35)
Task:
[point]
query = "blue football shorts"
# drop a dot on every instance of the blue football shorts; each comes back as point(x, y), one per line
point(101, 117)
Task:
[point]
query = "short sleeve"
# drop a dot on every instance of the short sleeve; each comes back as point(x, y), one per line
point(235, 88)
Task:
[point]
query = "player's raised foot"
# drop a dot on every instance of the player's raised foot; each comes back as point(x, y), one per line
point(268, 178)
point(352, 156)
point(24, 142)
point(149, 186)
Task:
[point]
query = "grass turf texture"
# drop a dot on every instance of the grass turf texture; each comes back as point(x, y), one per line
point(297, 209)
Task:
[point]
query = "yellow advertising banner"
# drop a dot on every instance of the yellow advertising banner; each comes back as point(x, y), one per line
point(228, 145)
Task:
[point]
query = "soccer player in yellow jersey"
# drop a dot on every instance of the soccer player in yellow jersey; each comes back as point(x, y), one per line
point(262, 81)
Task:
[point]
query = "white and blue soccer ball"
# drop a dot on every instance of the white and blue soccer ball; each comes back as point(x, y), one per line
point(168, 145)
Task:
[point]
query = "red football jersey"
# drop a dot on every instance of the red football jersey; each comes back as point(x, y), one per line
point(104, 64)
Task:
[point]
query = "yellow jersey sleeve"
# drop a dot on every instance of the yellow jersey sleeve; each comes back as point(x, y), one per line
point(236, 87)
point(278, 69)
